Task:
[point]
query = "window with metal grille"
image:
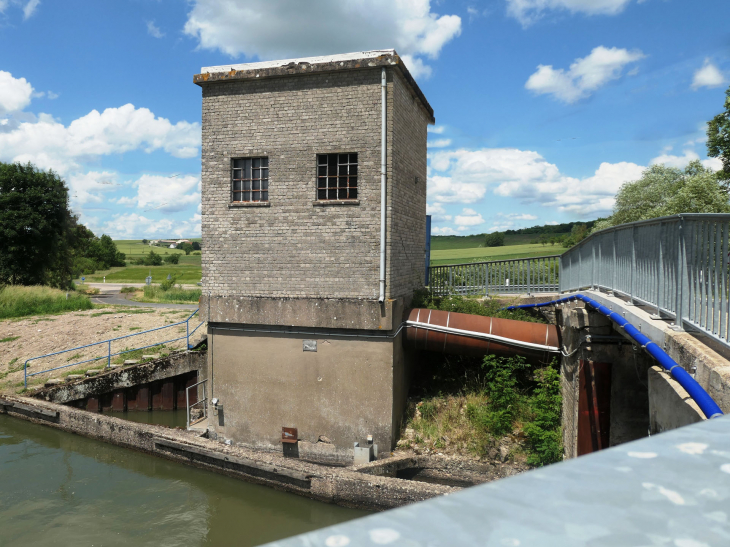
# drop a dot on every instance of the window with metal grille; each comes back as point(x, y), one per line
point(250, 179)
point(336, 176)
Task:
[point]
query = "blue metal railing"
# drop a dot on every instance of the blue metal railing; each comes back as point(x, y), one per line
point(109, 355)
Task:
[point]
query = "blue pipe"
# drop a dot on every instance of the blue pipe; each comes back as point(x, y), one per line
point(706, 403)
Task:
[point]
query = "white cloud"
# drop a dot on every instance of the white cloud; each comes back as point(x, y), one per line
point(584, 76)
point(438, 129)
point(51, 145)
point(438, 213)
point(707, 76)
point(444, 231)
point(153, 30)
point(15, 93)
point(469, 217)
point(439, 143)
point(29, 8)
point(168, 194)
point(465, 176)
point(680, 162)
point(89, 187)
point(278, 29)
point(529, 11)
point(133, 225)
point(51, 95)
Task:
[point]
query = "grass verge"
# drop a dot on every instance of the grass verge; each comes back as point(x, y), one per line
point(174, 295)
point(19, 301)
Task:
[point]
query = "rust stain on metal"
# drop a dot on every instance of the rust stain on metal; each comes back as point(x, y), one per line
point(289, 435)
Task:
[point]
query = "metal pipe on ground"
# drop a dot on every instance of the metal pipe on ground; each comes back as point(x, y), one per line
point(466, 334)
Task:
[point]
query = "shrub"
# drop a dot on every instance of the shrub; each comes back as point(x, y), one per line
point(167, 284)
point(495, 239)
point(172, 259)
point(544, 434)
point(174, 294)
point(125, 290)
point(150, 259)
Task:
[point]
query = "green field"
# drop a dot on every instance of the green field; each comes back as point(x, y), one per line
point(482, 254)
point(439, 243)
point(188, 269)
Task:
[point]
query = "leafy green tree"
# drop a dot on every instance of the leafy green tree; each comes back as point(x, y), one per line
point(196, 246)
point(495, 239)
point(172, 259)
point(663, 191)
point(718, 140)
point(186, 247)
point(34, 219)
point(104, 252)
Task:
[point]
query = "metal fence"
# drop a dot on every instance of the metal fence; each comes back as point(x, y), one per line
point(108, 343)
point(678, 265)
point(523, 275)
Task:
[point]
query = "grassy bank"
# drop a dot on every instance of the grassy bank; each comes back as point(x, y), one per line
point(174, 295)
point(18, 301)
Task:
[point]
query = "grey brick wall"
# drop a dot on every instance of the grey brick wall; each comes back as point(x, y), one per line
point(294, 248)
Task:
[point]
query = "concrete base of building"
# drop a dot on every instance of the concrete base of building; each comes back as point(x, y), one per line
point(336, 387)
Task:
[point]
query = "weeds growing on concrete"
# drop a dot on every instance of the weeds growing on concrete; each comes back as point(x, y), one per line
point(473, 405)
point(460, 304)
point(19, 301)
point(8, 339)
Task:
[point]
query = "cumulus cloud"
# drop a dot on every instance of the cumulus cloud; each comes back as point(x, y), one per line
point(439, 143)
point(51, 145)
point(465, 176)
point(707, 76)
point(688, 155)
point(438, 213)
point(153, 30)
point(168, 194)
point(529, 11)
point(443, 231)
point(468, 217)
point(89, 187)
point(15, 93)
point(133, 225)
point(517, 216)
point(278, 29)
point(584, 76)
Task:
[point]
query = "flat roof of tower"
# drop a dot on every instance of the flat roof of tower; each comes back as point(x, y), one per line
point(310, 65)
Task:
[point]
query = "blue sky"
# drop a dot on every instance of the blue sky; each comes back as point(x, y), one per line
point(543, 107)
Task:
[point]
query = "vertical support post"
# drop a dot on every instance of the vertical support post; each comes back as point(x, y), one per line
point(681, 275)
point(25, 374)
point(613, 267)
point(109, 355)
point(187, 334)
point(593, 263)
point(187, 408)
point(633, 264)
point(529, 279)
point(660, 273)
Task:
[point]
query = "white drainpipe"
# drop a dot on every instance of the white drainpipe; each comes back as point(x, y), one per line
point(383, 194)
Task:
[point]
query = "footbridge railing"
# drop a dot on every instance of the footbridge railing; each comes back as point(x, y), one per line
point(107, 344)
point(678, 265)
point(522, 275)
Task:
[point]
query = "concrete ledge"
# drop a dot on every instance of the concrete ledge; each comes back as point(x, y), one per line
point(332, 313)
point(123, 377)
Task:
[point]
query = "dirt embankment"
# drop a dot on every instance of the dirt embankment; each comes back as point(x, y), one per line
point(22, 339)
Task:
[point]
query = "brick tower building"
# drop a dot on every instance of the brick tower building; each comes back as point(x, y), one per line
point(306, 268)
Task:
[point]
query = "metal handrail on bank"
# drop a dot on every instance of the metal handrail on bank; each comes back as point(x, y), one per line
point(188, 334)
point(203, 401)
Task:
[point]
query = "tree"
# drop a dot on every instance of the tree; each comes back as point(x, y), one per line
point(663, 191)
point(495, 239)
point(145, 242)
point(104, 251)
point(196, 246)
point(187, 247)
point(34, 219)
point(718, 140)
point(172, 259)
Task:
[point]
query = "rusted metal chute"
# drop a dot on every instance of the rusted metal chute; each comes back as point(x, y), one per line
point(466, 334)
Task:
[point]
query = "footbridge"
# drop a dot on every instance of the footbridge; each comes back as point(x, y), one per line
point(643, 337)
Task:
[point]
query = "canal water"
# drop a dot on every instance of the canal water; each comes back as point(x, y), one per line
point(57, 488)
